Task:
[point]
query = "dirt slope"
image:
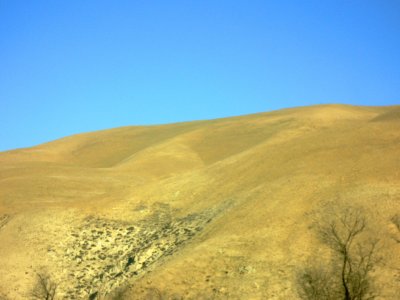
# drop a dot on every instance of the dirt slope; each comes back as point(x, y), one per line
point(198, 210)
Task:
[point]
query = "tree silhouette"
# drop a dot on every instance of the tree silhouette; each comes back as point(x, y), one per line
point(45, 288)
point(343, 230)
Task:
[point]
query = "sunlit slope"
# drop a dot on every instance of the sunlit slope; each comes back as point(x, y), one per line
point(311, 155)
point(261, 174)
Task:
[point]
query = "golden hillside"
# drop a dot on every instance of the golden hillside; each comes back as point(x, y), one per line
point(215, 209)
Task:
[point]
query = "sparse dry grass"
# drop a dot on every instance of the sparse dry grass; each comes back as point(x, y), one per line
point(274, 168)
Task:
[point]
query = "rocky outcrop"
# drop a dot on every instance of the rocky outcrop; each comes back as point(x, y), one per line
point(102, 254)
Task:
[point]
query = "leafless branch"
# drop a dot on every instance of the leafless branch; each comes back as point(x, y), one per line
point(342, 229)
point(45, 288)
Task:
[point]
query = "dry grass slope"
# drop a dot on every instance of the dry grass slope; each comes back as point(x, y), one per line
point(199, 210)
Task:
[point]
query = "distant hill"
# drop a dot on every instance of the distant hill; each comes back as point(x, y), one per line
point(216, 209)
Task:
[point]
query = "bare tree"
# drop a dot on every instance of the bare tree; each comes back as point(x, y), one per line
point(45, 288)
point(343, 229)
point(316, 283)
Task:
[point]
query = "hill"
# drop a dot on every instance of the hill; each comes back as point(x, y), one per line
point(197, 210)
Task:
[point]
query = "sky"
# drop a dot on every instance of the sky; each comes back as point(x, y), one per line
point(75, 66)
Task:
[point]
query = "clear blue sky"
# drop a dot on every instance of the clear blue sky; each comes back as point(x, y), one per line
point(74, 66)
